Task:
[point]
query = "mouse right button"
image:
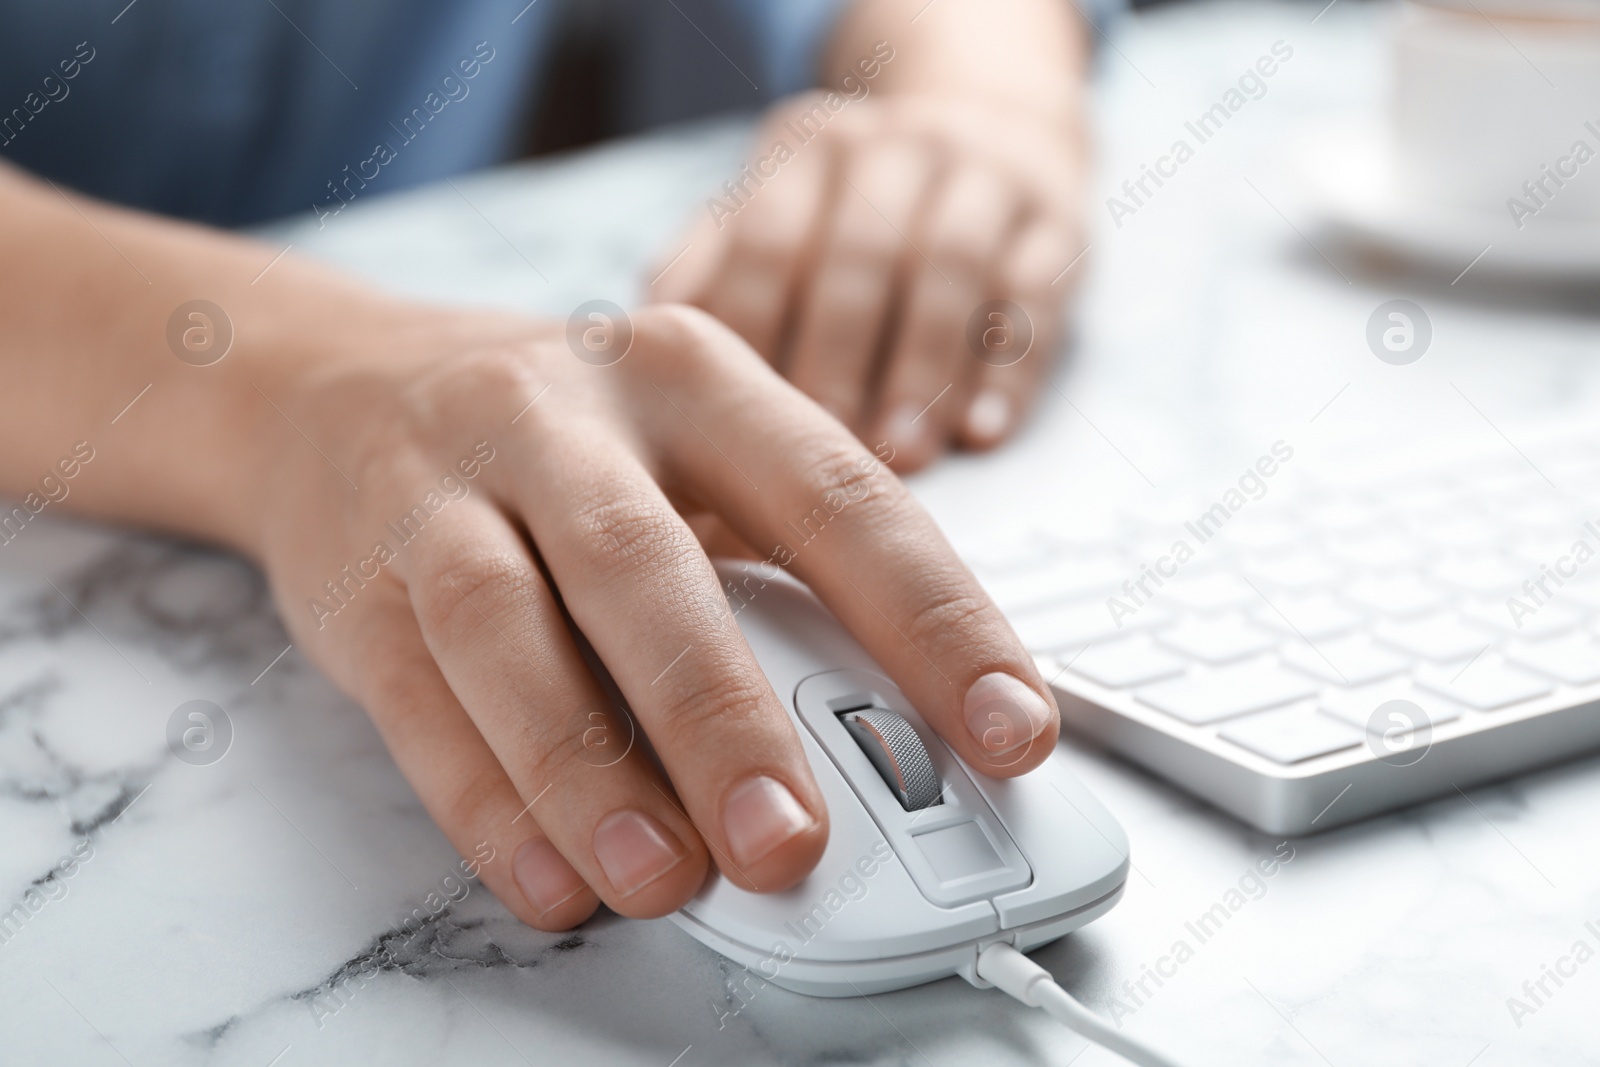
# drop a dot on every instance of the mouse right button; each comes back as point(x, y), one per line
point(1078, 851)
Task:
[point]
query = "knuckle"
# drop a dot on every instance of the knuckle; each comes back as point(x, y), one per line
point(959, 249)
point(624, 535)
point(682, 344)
point(391, 698)
point(802, 103)
point(935, 327)
point(552, 750)
point(846, 477)
point(678, 330)
point(715, 703)
point(845, 300)
point(501, 370)
point(471, 587)
point(764, 249)
point(863, 243)
point(478, 803)
point(896, 166)
point(1031, 269)
point(946, 616)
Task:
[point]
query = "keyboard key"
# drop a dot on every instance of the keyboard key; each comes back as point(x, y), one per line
point(1397, 596)
point(1291, 736)
point(1574, 659)
point(1312, 617)
point(1342, 513)
point(1497, 473)
point(1011, 558)
point(1551, 619)
point(1299, 570)
point(1210, 592)
point(1441, 637)
point(1353, 661)
point(1532, 549)
point(1151, 544)
point(1358, 706)
point(1066, 579)
point(1071, 626)
point(1217, 639)
point(1463, 531)
point(1382, 551)
point(1423, 492)
point(1541, 513)
point(1129, 662)
point(1254, 535)
point(1485, 685)
point(1222, 694)
point(1585, 595)
point(1480, 572)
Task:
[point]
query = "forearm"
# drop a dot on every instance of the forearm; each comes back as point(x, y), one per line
point(86, 293)
point(1030, 53)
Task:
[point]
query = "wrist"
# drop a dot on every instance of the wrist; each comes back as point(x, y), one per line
point(312, 391)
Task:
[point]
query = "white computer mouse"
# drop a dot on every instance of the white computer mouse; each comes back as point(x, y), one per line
point(927, 861)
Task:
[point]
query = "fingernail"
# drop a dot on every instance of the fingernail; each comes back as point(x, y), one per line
point(634, 850)
point(904, 429)
point(544, 876)
point(1004, 714)
point(989, 416)
point(760, 815)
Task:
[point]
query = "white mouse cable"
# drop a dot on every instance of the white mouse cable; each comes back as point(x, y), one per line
point(1017, 976)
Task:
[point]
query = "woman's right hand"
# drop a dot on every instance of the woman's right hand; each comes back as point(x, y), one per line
point(443, 511)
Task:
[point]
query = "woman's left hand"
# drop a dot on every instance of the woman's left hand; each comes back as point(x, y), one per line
point(902, 258)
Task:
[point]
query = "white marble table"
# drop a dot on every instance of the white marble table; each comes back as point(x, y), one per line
point(248, 911)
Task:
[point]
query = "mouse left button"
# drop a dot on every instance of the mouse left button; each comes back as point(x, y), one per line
point(897, 753)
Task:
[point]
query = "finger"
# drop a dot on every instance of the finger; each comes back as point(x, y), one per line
point(1016, 343)
point(810, 495)
point(926, 381)
point(845, 309)
point(502, 643)
point(458, 778)
point(639, 587)
point(770, 220)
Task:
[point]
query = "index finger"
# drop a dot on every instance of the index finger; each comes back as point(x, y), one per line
point(828, 509)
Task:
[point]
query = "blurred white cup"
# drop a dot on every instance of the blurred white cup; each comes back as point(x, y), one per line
point(1497, 103)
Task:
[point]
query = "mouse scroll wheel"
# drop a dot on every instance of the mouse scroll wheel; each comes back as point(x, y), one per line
point(901, 759)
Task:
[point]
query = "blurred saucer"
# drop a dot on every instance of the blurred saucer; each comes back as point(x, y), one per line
point(1345, 168)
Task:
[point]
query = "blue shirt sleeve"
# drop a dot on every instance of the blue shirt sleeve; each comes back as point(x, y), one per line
point(790, 37)
point(232, 113)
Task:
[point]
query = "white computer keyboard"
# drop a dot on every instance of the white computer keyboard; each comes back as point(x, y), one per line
point(1264, 673)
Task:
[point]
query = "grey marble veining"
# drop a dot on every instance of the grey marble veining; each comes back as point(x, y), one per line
point(291, 903)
